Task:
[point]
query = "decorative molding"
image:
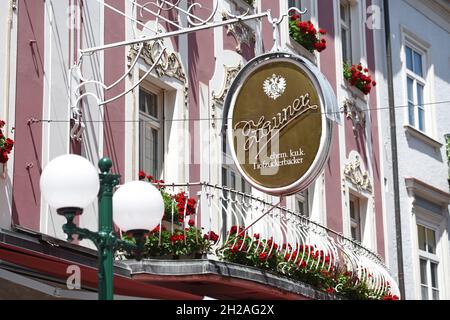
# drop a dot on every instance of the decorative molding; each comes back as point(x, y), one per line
point(169, 65)
point(242, 33)
point(422, 136)
point(429, 192)
point(230, 74)
point(354, 113)
point(355, 172)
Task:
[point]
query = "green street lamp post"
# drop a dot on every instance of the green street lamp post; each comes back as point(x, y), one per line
point(70, 183)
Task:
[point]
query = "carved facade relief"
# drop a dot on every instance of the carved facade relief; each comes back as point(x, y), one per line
point(242, 33)
point(169, 64)
point(355, 172)
point(354, 113)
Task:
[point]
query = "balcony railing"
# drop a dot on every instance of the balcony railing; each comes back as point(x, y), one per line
point(295, 241)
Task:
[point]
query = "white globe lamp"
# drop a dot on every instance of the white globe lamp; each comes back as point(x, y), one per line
point(137, 207)
point(69, 182)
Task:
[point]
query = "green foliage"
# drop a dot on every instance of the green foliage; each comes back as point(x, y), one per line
point(187, 242)
point(306, 34)
point(306, 264)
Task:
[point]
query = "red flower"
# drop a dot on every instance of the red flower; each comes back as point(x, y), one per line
point(191, 222)
point(262, 256)
point(329, 290)
point(295, 17)
point(156, 229)
point(142, 175)
point(2, 123)
point(8, 145)
point(213, 236)
point(3, 157)
point(390, 297)
point(176, 238)
point(366, 70)
point(256, 235)
point(303, 264)
point(374, 83)
point(150, 178)
point(360, 67)
point(322, 31)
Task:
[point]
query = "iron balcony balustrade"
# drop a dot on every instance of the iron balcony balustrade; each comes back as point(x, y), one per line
point(221, 209)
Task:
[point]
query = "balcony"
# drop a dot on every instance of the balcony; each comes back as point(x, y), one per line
point(208, 244)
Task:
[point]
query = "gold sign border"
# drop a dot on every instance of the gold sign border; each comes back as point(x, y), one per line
point(325, 143)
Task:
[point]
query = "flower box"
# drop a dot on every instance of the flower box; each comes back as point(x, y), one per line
point(358, 77)
point(306, 34)
point(302, 51)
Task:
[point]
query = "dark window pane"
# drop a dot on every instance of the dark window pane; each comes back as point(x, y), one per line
point(345, 53)
point(423, 272)
point(412, 122)
point(421, 115)
point(148, 103)
point(422, 237)
point(418, 64)
point(420, 94)
point(409, 59)
point(352, 210)
point(435, 294)
point(434, 275)
point(431, 241)
point(424, 290)
point(410, 90)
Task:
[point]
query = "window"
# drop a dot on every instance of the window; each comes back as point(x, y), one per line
point(346, 32)
point(428, 263)
point(355, 218)
point(302, 5)
point(231, 178)
point(150, 132)
point(301, 203)
point(415, 88)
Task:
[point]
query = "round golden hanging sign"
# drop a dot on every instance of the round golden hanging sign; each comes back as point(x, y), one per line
point(277, 130)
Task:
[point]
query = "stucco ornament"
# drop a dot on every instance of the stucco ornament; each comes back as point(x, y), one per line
point(356, 173)
point(274, 86)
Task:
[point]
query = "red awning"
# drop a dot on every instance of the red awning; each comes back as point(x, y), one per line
point(55, 267)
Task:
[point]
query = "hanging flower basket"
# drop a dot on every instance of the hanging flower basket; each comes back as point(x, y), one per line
point(6, 144)
point(306, 34)
point(359, 77)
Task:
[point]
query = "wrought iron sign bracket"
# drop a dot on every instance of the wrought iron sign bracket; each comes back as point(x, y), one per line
point(192, 23)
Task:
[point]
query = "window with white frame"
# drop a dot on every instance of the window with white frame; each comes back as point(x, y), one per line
point(301, 203)
point(346, 31)
point(415, 84)
point(151, 130)
point(231, 178)
point(428, 263)
point(302, 5)
point(355, 218)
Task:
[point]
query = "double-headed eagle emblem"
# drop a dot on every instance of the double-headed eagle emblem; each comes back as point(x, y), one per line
point(274, 86)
